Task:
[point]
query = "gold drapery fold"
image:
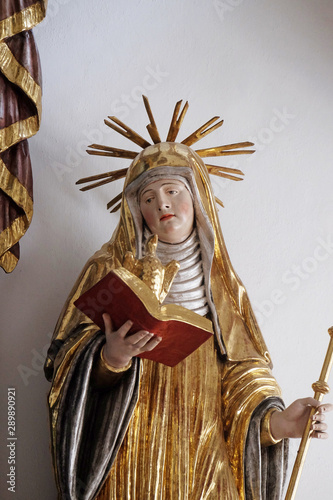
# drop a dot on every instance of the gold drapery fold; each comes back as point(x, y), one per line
point(20, 119)
point(23, 20)
point(17, 132)
point(182, 420)
point(8, 261)
point(18, 74)
point(11, 235)
point(245, 386)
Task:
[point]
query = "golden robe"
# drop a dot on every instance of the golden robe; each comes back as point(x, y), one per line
point(189, 432)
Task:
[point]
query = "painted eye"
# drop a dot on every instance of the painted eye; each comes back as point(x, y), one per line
point(149, 200)
point(173, 191)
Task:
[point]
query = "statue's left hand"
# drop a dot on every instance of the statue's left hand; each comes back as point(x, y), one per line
point(291, 422)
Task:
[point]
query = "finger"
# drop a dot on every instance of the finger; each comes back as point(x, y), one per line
point(309, 402)
point(140, 339)
point(318, 417)
point(107, 323)
point(321, 427)
point(319, 435)
point(125, 328)
point(137, 337)
point(151, 344)
point(325, 408)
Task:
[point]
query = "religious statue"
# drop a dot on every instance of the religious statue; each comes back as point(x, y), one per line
point(214, 425)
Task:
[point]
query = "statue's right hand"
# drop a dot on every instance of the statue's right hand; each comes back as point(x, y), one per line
point(119, 348)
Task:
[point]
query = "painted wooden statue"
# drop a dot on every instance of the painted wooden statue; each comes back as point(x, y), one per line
point(211, 427)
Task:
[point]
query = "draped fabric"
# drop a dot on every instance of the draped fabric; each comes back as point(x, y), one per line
point(269, 485)
point(136, 430)
point(20, 115)
point(174, 447)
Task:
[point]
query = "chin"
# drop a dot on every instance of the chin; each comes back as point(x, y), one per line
point(168, 238)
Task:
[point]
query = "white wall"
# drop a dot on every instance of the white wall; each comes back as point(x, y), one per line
point(266, 68)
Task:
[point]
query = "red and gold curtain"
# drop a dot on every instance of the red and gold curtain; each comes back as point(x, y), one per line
point(20, 114)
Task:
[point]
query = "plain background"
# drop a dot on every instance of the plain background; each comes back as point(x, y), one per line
point(266, 68)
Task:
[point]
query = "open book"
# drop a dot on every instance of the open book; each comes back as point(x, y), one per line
point(124, 296)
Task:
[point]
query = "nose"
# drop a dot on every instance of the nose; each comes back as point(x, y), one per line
point(163, 202)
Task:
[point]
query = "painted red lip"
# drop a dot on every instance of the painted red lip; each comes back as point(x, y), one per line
point(166, 216)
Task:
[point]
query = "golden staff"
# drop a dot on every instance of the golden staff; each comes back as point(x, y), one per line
point(321, 387)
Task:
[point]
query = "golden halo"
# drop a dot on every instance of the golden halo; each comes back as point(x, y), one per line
point(176, 121)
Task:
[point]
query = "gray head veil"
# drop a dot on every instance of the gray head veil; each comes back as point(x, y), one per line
point(188, 289)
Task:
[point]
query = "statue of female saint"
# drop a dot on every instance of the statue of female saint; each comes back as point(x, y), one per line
point(213, 426)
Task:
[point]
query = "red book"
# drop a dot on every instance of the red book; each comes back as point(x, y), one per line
point(124, 296)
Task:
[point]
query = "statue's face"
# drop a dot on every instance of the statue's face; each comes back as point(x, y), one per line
point(167, 207)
